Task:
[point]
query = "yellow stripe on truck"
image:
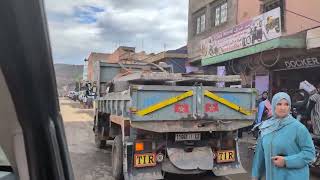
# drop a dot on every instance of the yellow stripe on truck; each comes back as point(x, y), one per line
point(164, 103)
point(227, 103)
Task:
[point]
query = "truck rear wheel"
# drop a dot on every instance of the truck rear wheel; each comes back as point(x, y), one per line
point(99, 131)
point(117, 158)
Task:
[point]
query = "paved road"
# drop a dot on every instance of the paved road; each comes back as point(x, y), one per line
point(90, 163)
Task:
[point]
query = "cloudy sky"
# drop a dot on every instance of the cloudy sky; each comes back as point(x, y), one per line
point(78, 27)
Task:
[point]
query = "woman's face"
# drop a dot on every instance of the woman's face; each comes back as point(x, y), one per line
point(282, 108)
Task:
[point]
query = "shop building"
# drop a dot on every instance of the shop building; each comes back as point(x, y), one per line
point(272, 44)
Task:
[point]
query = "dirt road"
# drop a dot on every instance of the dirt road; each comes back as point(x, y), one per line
point(91, 163)
point(88, 162)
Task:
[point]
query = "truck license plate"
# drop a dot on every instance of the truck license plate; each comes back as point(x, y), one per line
point(188, 137)
point(145, 160)
point(226, 156)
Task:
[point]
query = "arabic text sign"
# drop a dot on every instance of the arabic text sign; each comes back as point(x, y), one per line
point(262, 28)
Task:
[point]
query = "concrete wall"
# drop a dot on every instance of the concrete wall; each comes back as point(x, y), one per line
point(93, 57)
point(295, 23)
point(196, 7)
point(247, 10)
point(115, 56)
point(127, 56)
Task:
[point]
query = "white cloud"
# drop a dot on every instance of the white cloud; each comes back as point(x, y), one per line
point(78, 27)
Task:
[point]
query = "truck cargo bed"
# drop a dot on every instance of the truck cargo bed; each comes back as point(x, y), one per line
point(155, 104)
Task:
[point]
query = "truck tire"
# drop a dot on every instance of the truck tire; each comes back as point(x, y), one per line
point(99, 141)
point(117, 158)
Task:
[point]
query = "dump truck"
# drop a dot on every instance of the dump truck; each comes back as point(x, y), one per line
point(164, 122)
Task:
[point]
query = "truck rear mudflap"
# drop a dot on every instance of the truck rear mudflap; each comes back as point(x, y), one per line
point(202, 159)
point(196, 159)
point(236, 167)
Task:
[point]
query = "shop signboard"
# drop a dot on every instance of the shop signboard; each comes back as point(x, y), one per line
point(262, 28)
point(298, 63)
point(313, 38)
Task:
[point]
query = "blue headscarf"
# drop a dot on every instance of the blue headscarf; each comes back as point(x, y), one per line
point(275, 123)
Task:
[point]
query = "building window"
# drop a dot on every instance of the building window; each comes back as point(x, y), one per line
point(220, 13)
point(201, 23)
point(269, 5)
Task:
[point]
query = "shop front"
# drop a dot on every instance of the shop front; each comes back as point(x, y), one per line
point(275, 74)
point(276, 65)
point(287, 74)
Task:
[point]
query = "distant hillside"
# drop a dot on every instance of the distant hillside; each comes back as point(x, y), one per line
point(67, 75)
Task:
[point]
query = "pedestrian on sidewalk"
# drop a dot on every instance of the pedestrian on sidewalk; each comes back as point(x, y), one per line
point(314, 110)
point(264, 112)
point(285, 147)
point(264, 108)
point(84, 100)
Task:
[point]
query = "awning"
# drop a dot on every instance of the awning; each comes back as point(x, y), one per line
point(282, 42)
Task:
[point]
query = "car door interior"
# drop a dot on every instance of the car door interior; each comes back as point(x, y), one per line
point(27, 67)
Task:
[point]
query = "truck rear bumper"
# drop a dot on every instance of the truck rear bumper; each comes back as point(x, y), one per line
point(201, 159)
point(167, 166)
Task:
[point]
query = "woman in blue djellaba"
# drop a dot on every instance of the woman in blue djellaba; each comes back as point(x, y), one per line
point(285, 147)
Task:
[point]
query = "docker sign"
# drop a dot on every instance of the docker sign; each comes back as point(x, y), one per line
point(302, 62)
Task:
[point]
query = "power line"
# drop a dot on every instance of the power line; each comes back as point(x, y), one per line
point(303, 16)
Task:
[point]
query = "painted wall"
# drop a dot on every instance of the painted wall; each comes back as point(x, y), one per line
point(296, 23)
point(197, 7)
point(247, 9)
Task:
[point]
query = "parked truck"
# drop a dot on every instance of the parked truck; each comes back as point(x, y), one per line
point(164, 122)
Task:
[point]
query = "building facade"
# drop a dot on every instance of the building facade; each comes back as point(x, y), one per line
point(94, 57)
point(205, 18)
point(265, 41)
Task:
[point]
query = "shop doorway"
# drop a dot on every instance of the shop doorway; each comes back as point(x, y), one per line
point(289, 80)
